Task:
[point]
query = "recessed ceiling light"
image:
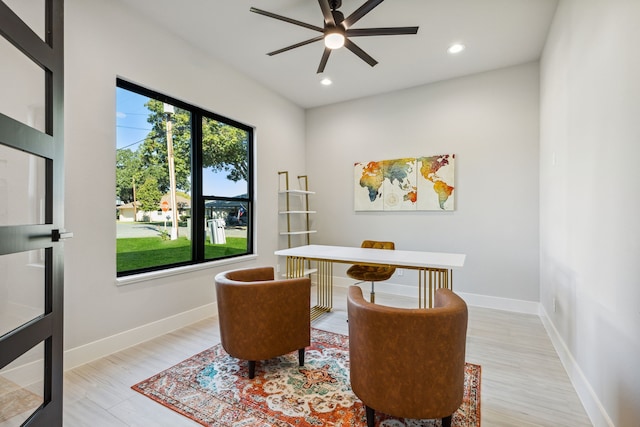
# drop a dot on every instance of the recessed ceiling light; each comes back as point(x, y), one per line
point(326, 81)
point(456, 48)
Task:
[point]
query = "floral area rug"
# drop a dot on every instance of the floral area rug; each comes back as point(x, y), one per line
point(214, 389)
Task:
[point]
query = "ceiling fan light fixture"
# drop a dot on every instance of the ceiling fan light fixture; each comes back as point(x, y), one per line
point(334, 39)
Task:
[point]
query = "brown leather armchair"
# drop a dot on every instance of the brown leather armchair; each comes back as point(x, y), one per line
point(408, 362)
point(372, 273)
point(262, 318)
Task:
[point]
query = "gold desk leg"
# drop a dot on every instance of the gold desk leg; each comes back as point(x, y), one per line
point(324, 300)
point(431, 279)
point(431, 290)
point(420, 280)
point(424, 287)
point(324, 303)
point(295, 267)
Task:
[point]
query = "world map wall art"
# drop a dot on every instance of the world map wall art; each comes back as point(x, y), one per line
point(409, 184)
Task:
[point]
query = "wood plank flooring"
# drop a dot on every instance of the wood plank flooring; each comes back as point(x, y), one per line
point(523, 381)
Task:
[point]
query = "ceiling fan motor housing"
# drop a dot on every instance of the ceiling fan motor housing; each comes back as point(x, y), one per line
point(338, 17)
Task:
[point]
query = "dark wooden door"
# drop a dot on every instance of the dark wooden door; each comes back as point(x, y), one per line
point(31, 212)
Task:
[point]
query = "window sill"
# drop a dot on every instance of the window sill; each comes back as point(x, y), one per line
point(152, 275)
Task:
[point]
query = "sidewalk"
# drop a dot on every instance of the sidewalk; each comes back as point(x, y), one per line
point(141, 229)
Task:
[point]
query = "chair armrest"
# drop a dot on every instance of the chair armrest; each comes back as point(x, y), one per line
point(249, 274)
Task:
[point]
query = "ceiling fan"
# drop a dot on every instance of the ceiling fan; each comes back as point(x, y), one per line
point(337, 30)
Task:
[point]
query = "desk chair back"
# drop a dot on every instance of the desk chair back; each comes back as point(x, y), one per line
point(372, 273)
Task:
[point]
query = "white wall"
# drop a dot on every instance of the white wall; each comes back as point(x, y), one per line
point(490, 122)
point(590, 182)
point(104, 41)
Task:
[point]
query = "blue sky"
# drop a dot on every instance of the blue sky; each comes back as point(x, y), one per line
point(132, 128)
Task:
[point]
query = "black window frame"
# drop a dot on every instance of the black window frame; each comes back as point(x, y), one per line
point(198, 199)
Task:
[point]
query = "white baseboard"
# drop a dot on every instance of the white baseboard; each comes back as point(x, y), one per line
point(94, 350)
point(88, 352)
point(474, 300)
point(25, 375)
point(592, 405)
point(499, 303)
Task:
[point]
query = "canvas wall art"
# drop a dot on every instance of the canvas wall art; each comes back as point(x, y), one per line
point(407, 184)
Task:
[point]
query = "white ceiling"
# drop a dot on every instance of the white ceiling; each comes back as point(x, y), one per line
point(497, 33)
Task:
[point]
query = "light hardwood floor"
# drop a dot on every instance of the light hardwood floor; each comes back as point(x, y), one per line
point(523, 382)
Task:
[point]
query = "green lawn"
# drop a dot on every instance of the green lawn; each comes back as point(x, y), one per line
point(144, 252)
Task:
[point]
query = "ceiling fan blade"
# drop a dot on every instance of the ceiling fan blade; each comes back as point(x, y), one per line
point(361, 53)
point(326, 12)
point(323, 61)
point(360, 12)
point(285, 19)
point(293, 46)
point(358, 32)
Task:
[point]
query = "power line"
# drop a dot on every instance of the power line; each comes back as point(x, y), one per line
point(150, 135)
point(134, 114)
point(133, 143)
point(131, 127)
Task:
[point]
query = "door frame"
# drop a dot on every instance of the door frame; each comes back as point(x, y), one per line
point(47, 328)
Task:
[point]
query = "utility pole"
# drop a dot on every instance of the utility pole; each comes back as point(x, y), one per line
point(135, 202)
point(168, 109)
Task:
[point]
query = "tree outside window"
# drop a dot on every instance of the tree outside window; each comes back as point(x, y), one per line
point(182, 177)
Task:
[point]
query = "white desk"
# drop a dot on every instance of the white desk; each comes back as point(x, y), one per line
point(435, 269)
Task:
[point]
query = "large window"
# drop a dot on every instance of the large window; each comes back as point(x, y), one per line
point(183, 183)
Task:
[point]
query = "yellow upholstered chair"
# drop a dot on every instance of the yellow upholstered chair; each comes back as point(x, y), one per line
point(261, 317)
point(408, 363)
point(372, 273)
